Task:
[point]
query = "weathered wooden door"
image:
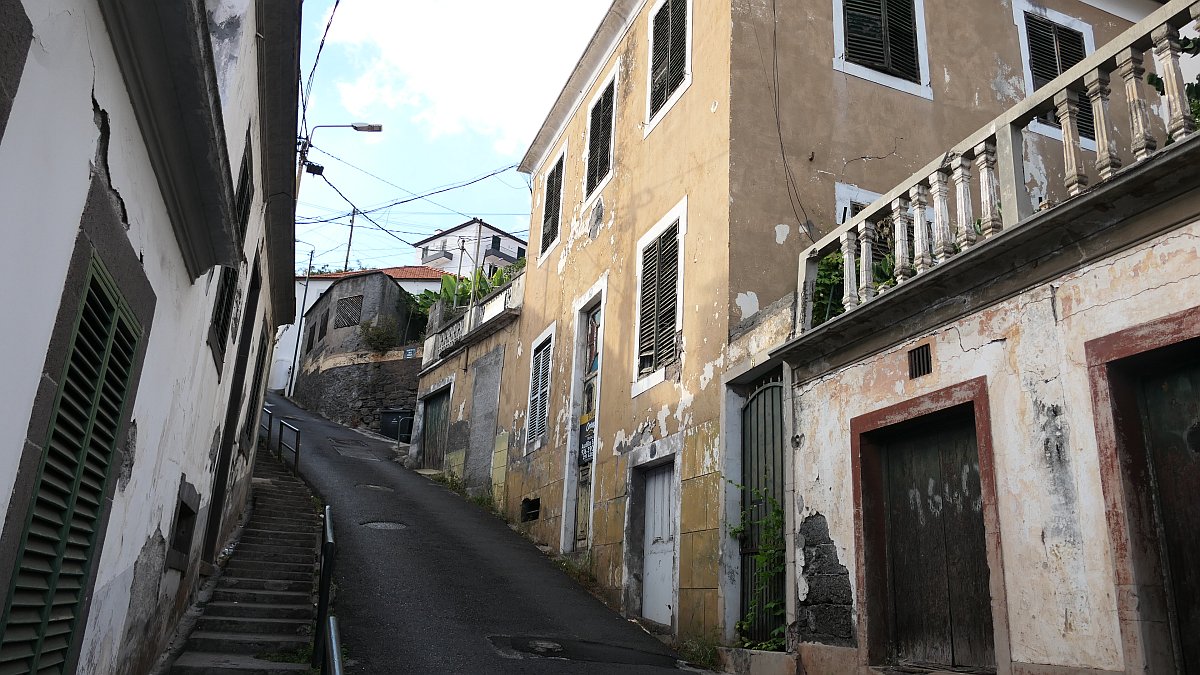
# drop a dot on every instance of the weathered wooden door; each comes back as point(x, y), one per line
point(1171, 419)
point(762, 585)
point(434, 430)
point(659, 547)
point(936, 551)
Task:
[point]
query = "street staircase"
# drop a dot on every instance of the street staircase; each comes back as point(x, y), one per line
point(263, 603)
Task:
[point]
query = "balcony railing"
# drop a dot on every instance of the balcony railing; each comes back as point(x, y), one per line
point(977, 189)
point(477, 321)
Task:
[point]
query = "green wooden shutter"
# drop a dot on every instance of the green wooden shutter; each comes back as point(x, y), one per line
point(882, 35)
point(600, 138)
point(901, 32)
point(223, 309)
point(668, 281)
point(59, 542)
point(669, 57)
point(552, 211)
point(648, 310)
point(539, 391)
point(1053, 50)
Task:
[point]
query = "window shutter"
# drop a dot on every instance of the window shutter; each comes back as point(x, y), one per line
point(1043, 55)
point(660, 59)
point(552, 211)
point(223, 310)
point(600, 140)
point(539, 391)
point(58, 544)
point(865, 43)
point(668, 278)
point(1053, 50)
point(648, 310)
point(901, 33)
point(349, 311)
point(678, 69)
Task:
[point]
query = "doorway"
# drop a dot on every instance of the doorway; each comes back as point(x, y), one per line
point(435, 430)
point(761, 542)
point(658, 552)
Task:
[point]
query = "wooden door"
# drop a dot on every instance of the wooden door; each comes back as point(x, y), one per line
point(1170, 408)
point(659, 547)
point(435, 430)
point(937, 559)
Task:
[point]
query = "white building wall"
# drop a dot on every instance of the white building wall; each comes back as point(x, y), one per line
point(475, 247)
point(46, 157)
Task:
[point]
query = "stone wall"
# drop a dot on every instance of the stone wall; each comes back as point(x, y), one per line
point(354, 394)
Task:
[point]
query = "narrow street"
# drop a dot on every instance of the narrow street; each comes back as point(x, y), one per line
point(451, 589)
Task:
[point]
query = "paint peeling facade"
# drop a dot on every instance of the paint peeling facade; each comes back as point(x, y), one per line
point(140, 184)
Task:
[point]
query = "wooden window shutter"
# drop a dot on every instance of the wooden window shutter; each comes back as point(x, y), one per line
point(1053, 50)
point(552, 212)
point(600, 138)
point(669, 55)
point(58, 544)
point(539, 391)
point(223, 309)
point(668, 280)
point(648, 310)
point(882, 35)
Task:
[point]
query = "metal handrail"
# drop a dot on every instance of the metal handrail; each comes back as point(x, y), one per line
point(295, 449)
point(401, 436)
point(323, 640)
point(269, 417)
point(333, 656)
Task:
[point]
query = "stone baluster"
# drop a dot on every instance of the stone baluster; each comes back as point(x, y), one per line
point(1166, 53)
point(989, 189)
point(900, 224)
point(1132, 70)
point(963, 204)
point(1066, 104)
point(920, 198)
point(943, 238)
point(866, 261)
point(1107, 160)
point(849, 273)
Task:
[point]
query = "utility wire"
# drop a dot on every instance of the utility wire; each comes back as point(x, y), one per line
point(307, 93)
point(384, 180)
point(364, 213)
point(398, 202)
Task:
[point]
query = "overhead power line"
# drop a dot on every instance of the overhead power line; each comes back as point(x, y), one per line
point(312, 73)
point(384, 180)
point(398, 202)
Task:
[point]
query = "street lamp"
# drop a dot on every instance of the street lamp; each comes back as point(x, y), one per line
point(306, 143)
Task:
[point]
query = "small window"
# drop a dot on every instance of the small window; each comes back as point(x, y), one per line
point(1053, 50)
point(920, 362)
point(324, 325)
point(245, 194)
point(539, 393)
point(222, 316)
point(882, 35)
point(349, 312)
point(600, 136)
point(312, 338)
point(495, 243)
point(668, 52)
point(657, 300)
point(552, 211)
point(520, 253)
point(185, 527)
point(531, 509)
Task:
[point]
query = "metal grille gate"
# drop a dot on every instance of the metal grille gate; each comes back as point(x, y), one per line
point(762, 491)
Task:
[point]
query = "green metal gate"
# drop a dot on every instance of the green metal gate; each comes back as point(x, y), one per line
point(762, 589)
point(435, 430)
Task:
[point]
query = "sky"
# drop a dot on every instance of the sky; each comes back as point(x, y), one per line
point(460, 88)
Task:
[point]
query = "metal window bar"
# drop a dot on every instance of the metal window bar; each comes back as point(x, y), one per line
point(322, 640)
point(333, 655)
point(295, 449)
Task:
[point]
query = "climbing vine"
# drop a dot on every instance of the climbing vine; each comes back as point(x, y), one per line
point(770, 564)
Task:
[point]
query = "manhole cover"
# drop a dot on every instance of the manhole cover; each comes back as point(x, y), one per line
point(381, 488)
point(528, 646)
point(384, 525)
point(348, 441)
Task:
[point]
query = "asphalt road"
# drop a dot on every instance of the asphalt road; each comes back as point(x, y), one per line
point(454, 590)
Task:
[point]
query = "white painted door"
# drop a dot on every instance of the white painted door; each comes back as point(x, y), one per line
point(659, 559)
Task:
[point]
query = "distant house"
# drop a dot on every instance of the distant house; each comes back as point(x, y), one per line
point(345, 372)
point(414, 278)
point(459, 249)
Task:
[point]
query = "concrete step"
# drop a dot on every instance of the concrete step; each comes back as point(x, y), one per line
point(236, 564)
point(244, 643)
point(295, 548)
point(259, 609)
point(270, 573)
point(278, 556)
point(246, 584)
point(284, 521)
point(262, 595)
point(211, 663)
point(254, 624)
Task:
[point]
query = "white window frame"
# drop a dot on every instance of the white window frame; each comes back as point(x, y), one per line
point(562, 201)
point(547, 334)
point(847, 194)
point(612, 78)
point(924, 89)
point(1019, 8)
point(653, 120)
point(678, 212)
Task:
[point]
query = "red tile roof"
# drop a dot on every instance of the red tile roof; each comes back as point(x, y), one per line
point(411, 272)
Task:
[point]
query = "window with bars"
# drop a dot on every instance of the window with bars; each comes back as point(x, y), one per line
point(539, 393)
point(600, 132)
point(552, 211)
point(657, 300)
point(222, 318)
point(244, 195)
point(882, 35)
point(59, 541)
point(1053, 50)
point(349, 312)
point(668, 52)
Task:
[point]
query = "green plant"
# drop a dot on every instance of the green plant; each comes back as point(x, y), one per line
point(769, 563)
point(579, 568)
point(700, 650)
point(380, 335)
point(827, 289)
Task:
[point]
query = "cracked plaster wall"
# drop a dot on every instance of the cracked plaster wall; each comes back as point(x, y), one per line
point(47, 156)
point(1058, 564)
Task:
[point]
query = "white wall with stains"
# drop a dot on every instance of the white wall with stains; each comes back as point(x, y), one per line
point(1057, 559)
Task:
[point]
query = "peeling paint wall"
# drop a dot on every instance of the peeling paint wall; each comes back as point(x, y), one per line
point(1059, 577)
point(71, 119)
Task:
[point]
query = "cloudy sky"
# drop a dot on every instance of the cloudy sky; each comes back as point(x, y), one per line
point(460, 88)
